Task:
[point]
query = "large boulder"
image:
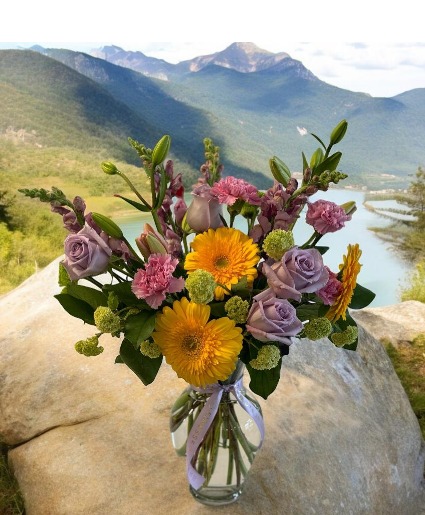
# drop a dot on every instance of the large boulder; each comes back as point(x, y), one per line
point(89, 437)
point(397, 324)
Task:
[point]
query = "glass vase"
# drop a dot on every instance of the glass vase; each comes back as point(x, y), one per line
point(222, 444)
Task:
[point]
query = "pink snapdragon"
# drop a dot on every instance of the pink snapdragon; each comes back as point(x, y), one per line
point(326, 216)
point(332, 289)
point(230, 189)
point(156, 280)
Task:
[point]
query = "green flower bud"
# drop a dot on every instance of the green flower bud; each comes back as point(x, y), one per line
point(200, 285)
point(349, 207)
point(89, 347)
point(237, 309)
point(277, 242)
point(106, 320)
point(150, 349)
point(318, 328)
point(109, 168)
point(161, 150)
point(268, 357)
point(249, 211)
point(339, 132)
point(107, 225)
point(346, 337)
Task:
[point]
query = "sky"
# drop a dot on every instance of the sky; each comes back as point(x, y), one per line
point(361, 46)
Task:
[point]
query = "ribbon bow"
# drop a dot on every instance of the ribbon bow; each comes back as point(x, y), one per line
point(205, 419)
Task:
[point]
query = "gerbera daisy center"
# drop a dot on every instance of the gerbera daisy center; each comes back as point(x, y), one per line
point(192, 343)
point(221, 262)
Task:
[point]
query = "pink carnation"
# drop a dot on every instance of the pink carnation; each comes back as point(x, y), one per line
point(156, 280)
point(326, 216)
point(331, 291)
point(230, 189)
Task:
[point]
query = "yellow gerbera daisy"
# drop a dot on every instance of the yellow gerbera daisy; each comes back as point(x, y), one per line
point(350, 270)
point(227, 253)
point(201, 351)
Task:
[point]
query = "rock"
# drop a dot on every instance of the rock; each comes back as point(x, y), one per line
point(91, 438)
point(397, 323)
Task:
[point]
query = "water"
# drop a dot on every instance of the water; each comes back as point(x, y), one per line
point(383, 271)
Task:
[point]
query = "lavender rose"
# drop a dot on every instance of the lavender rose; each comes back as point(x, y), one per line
point(86, 253)
point(204, 210)
point(272, 319)
point(280, 281)
point(306, 269)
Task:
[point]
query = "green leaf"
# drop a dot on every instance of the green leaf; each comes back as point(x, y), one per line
point(76, 307)
point(162, 190)
point(124, 293)
point(264, 382)
point(322, 250)
point(280, 171)
point(217, 309)
point(308, 311)
point(137, 205)
point(94, 298)
point(145, 368)
point(139, 327)
point(64, 278)
point(241, 287)
point(361, 298)
point(319, 140)
point(118, 359)
point(305, 162)
point(330, 163)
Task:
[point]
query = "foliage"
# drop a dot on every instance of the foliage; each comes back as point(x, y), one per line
point(11, 502)
point(408, 362)
point(415, 198)
point(416, 288)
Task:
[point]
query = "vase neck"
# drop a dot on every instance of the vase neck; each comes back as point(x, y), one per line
point(236, 375)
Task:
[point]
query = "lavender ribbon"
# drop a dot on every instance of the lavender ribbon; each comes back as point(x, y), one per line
point(205, 419)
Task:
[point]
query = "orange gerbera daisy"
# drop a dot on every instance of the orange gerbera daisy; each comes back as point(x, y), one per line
point(228, 254)
point(350, 270)
point(201, 351)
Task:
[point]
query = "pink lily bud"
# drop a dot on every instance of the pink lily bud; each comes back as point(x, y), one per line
point(151, 242)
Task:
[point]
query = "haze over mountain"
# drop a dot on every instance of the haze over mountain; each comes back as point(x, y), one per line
point(254, 104)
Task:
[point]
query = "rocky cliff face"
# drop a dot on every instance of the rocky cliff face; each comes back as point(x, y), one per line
point(91, 438)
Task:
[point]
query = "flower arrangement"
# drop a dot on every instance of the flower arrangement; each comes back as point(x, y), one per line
point(203, 294)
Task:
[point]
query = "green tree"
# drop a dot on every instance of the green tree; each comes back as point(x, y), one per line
point(413, 243)
point(6, 201)
point(415, 198)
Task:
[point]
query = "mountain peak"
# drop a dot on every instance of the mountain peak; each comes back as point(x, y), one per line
point(247, 48)
point(242, 57)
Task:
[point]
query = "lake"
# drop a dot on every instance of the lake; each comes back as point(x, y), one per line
point(383, 271)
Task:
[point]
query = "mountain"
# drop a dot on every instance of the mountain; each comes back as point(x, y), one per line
point(136, 61)
point(62, 108)
point(242, 57)
point(188, 125)
point(253, 115)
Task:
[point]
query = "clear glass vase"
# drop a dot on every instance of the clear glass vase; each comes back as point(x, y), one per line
point(224, 455)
